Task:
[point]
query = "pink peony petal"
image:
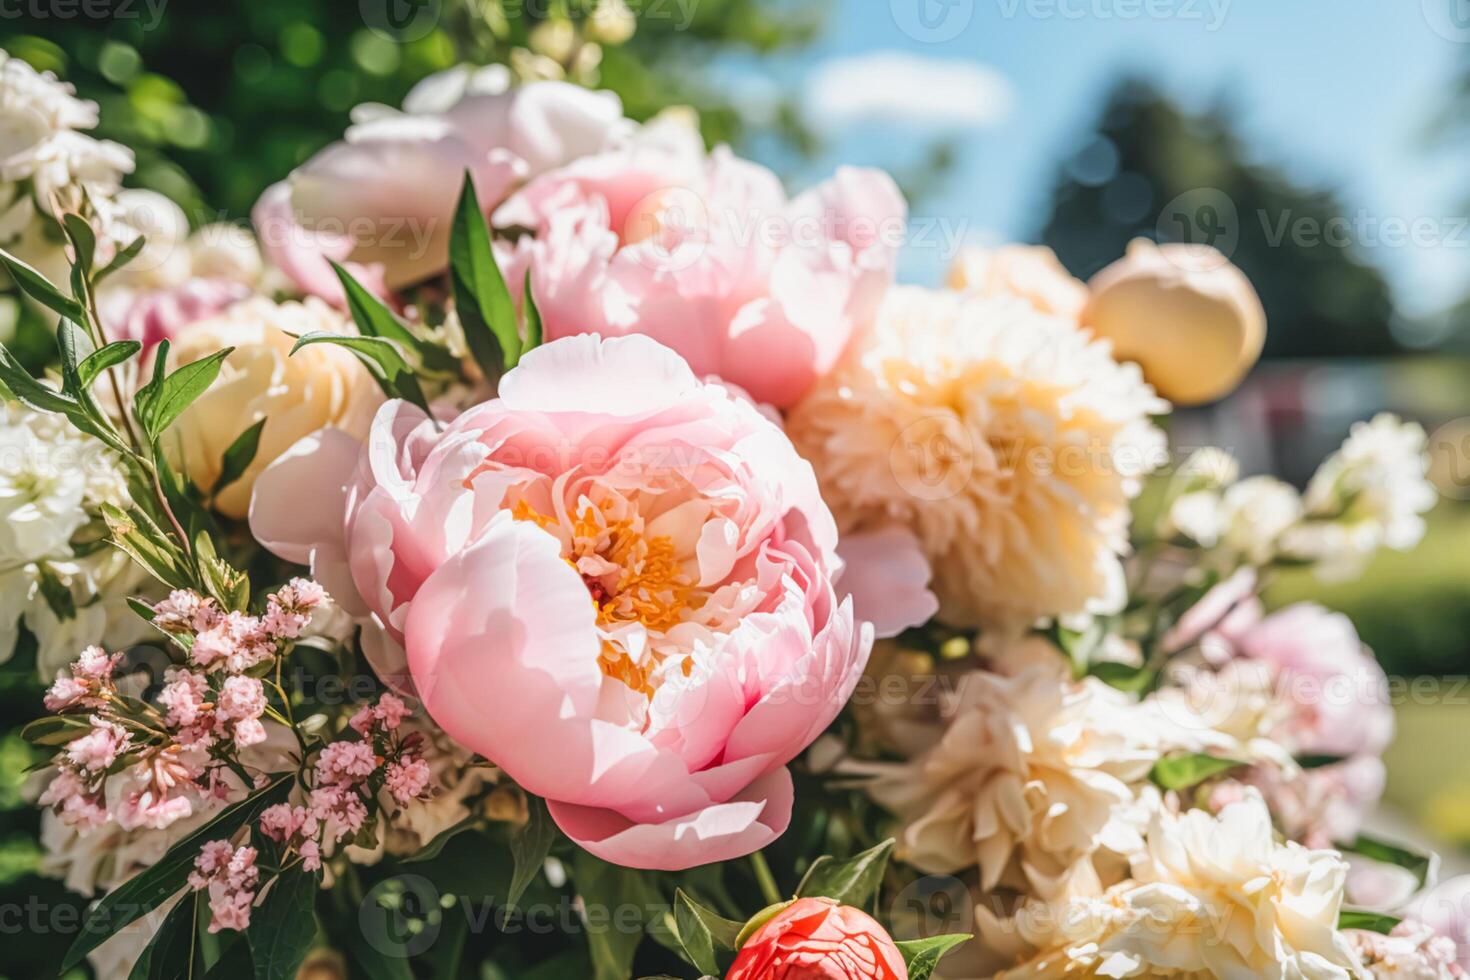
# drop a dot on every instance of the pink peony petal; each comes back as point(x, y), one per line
point(721, 832)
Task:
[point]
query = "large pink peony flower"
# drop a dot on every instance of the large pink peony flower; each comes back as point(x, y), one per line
point(614, 581)
point(706, 255)
point(382, 200)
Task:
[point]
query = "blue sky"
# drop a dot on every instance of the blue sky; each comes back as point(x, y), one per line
point(1338, 92)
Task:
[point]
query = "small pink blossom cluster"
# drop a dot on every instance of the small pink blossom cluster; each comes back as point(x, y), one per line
point(345, 780)
point(163, 759)
point(234, 641)
point(230, 876)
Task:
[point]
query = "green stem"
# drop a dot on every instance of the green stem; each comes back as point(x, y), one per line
point(765, 879)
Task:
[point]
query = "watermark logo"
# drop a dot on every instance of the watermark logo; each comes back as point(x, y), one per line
point(932, 21)
point(1205, 217)
point(401, 21)
point(1450, 19)
point(397, 916)
point(1449, 458)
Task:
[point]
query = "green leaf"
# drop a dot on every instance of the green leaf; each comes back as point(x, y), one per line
point(105, 357)
point(533, 317)
point(759, 919)
point(55, 730)
point(852, 882)
point(372, 963)
point(38, 288)
point(177, 391)
point(73, 345)
point(606, 891)
point(238, 457)
point(1124, 677)
point(923, 955)
point(432, 849)
point(222, 580)
point(529, 846)
point(283, 927)
point(486, 310)
point(125, 255)
point(146, 545)
point(18, 382)
point(58, 597)
point(170, 952)
point(375, 319)
point(701, 932)
point(381, 357)
point(1367, 921)
point(1184, 771)
point(1079, 645)
point(1419, 864)
point(151, 888)
point(83, 240)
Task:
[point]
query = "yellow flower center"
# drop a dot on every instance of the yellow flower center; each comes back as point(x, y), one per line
point(632, 577)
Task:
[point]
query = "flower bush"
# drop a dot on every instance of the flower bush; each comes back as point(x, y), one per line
point(629, 547)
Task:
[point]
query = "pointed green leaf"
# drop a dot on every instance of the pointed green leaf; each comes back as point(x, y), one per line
point(170, 953)
point(238, 457)
point(383, 360)
point(481, 297)
point(124, 255)
point(283, 927)
point(1185, 771)
point(39, 288)
point(529, 846)
point(372, 317)
point(923, 955)
point(534, 331)
point(55, 730)
point(178, 391)
point(1419, 864)
point(702, 932)
point(83, 241)
point(103, 358)
point(1367, 921)
point(152, 887)
point(852, 882)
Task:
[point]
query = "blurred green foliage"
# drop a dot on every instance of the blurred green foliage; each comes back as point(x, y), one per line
point(1147, 157)
point(221, 98)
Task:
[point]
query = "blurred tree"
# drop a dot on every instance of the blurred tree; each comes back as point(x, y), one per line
point(218, 100)
point(1150, 169)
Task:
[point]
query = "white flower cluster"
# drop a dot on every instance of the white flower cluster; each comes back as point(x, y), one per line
point(46, 159)
point(1370, 494)
point(70, 588)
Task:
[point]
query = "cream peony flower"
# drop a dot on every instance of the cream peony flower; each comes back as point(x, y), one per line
point(1008, 441)
point(1210, 897)
point(1032, 776)
point(322, 386)
point(1028, 272)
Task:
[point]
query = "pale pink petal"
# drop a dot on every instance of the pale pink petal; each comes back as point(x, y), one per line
point(887, 576)
point(721, 832)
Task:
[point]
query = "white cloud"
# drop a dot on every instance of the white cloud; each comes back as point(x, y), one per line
point(906, 89)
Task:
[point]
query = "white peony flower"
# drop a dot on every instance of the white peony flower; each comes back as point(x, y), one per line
point(1370, 494)
point(1211, 896)
point(53, 481)
point(1032, 775)
point(1008, 441)
point(44, 158)
point(1255, 514)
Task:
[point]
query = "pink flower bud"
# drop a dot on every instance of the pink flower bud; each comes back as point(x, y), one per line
point(818, 939)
